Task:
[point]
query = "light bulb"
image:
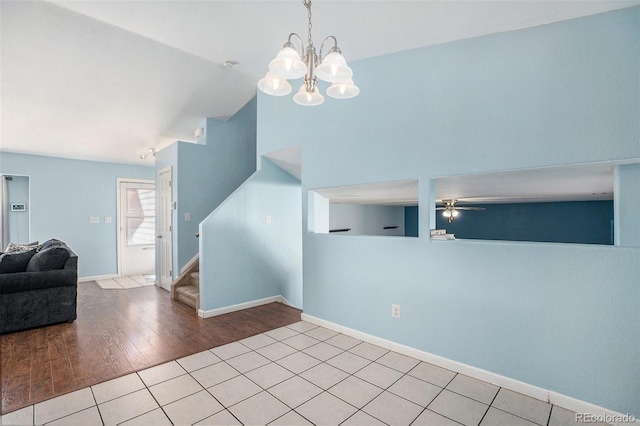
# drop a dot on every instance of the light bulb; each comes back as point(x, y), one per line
point(273, 85)
point(288, 64)
point(343, 90)
point(306, 98)
point(455, 213)
point(334, 68)
point(446, 213)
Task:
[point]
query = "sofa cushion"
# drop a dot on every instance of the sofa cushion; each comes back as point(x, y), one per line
point(16, 261)
point(49, 259)
point(21, 246)
point(29, 281)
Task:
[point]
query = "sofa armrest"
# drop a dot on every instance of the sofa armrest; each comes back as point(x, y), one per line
point(28, 281)
point(72, 262)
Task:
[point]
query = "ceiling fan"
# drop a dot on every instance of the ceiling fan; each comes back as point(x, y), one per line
point(451, 211)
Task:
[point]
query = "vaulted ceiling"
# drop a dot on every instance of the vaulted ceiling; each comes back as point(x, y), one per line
point(106, 80)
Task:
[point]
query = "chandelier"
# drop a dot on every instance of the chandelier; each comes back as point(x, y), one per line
point(290, 64)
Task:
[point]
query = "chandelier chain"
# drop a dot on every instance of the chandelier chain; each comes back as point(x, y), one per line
point(307, 4)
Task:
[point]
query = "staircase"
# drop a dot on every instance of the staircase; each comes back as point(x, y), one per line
point(186, 288)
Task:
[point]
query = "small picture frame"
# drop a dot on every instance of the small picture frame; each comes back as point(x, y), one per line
point(18, 207)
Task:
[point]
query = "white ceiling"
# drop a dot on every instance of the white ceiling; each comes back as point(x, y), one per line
point(584, 182)
point(402, 193)
point(106, 80)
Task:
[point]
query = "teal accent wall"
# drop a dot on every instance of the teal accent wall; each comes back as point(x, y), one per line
point(580, 222)
point(64, 193)
point(411, 221)
point(204, 175)
point(563, 317)
point(246, 259)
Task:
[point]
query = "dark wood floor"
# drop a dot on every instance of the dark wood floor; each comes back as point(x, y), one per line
point(118, 332)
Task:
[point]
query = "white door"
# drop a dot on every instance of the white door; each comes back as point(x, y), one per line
point(136, 226)
point(164, 240)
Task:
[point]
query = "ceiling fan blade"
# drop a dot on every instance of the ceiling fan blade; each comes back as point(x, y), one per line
point(470, 208)
point(441, 208)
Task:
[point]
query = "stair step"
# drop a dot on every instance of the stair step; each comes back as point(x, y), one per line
point(195, 278)
point(189, 295)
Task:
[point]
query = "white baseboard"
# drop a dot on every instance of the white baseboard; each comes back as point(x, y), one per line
point(579, 406)
point(508, 383)
point(219, 311)
point(98, 277)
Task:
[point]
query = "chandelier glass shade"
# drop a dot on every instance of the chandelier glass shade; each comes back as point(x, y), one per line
point(274, 85)
point(289, 64)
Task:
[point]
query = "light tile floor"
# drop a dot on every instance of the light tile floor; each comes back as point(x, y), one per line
point(123, 283)
point(295, 375)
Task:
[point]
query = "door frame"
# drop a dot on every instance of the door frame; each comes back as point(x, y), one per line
point(119, 241)
point(170, 210)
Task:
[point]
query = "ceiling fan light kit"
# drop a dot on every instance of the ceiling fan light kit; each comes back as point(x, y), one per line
point(291, 64)
point(451, 211)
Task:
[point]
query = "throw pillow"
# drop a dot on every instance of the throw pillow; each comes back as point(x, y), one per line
point(49, 259)
point(16, 261)
point(52, 243)
point(21, 246)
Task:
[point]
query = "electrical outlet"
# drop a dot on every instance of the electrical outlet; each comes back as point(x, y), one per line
point(107, 219)
point(395, 311)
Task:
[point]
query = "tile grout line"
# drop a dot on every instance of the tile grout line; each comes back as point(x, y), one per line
point(435, 397)
point(93, 395)
point(152, 396)
point(490, 405)
point(549, 418)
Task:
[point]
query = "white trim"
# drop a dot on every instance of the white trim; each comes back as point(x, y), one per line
point(580, 406)
point(189, 264)
point(98, 277)
point(158, 265)
point(219, 311)
point(508, 383)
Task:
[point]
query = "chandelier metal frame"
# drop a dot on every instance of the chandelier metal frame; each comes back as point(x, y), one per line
point(292, 64)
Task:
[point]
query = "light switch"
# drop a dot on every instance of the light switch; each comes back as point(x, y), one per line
point(267, 219)
point(187, 217)
point(94, 219)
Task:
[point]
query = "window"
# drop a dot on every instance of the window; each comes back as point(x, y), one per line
point(141, 216)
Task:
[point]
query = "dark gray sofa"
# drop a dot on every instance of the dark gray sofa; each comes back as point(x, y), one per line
point(44, 292)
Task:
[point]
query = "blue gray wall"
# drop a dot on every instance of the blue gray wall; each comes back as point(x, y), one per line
point(560, 316)
point(244, 258)
point(366, 219)
point(583, 222)
point(64, 193)
point(627, 205)
point(204, 175)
